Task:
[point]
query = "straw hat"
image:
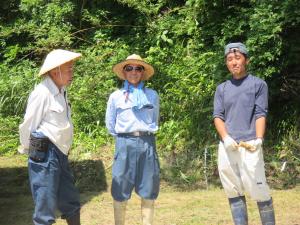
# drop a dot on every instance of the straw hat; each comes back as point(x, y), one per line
point(133, 59)
point(57, 58)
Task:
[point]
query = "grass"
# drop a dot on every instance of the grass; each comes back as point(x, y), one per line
point(173, 206)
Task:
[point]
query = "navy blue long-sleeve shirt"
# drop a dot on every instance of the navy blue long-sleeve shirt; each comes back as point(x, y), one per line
point(239, 103)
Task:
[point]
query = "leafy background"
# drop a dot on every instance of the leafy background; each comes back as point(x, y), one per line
point(184, 41)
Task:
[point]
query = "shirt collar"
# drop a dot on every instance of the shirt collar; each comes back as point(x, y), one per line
point(52, 86)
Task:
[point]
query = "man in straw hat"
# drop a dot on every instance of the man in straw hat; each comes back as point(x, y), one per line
point(132, 118)
point(240, 110)
point(46, 134)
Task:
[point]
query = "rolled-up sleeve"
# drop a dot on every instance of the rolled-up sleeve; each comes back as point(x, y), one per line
point(110, 116)
point(261, 100)
point(219, 111)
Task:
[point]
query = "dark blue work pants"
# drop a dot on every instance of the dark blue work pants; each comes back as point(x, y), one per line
point(52, 187)
point(136, 166)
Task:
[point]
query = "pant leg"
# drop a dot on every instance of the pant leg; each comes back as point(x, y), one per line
point(229, 171)
point(253, 174)
point(68, 195)
point(147, 171)
point(44, 179)
point(124, 167)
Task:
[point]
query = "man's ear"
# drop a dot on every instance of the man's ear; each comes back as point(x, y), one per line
point(53, 72)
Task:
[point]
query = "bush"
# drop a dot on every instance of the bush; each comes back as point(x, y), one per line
point(9, 137)
point(183, 40)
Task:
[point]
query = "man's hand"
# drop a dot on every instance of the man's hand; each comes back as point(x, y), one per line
point(229, 143)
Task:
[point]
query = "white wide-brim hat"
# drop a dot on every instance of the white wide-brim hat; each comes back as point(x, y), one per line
point(133, 59)
point(57, 58)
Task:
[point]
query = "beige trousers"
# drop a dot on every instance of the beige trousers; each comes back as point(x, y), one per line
point(243, 171)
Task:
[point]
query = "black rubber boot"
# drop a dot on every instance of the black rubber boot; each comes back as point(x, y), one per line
point(266, 212)
point(239, 210)
point(74, 220)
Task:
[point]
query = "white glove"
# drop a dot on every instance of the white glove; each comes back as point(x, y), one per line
point(229, 143)
point(258, 143)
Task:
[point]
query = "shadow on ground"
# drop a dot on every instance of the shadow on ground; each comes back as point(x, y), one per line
point(16, 205)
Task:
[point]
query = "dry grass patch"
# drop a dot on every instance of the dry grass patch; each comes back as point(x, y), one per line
point(173, 207)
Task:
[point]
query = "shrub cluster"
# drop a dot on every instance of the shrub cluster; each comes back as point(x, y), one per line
point(183, 40)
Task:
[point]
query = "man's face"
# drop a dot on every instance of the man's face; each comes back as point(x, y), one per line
point(236, 63)
point(133, 73)
point(63, 76)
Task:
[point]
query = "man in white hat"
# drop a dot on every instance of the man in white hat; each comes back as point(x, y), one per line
point(240, 111)
point(132, 118)
point(46, 134)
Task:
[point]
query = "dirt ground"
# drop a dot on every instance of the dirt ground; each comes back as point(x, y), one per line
point(173, 206)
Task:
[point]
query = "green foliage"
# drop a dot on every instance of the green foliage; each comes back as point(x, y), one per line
point(184, 40)
point(284, 167)
point(9, 135)
point(15, 85)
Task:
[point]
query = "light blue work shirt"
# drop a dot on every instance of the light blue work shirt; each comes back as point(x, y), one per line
point(121, 118)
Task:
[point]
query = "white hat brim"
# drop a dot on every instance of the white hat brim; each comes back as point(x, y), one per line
point(57, 58)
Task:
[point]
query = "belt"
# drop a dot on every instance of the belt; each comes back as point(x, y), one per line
point(136, 133)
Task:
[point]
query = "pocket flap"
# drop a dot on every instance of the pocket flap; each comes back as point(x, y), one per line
point(56, 108)
point(124, 105)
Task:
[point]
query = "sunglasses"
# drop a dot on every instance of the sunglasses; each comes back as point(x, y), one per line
point(136, 68)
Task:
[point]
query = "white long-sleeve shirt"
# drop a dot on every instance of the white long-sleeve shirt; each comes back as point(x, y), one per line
point(47, 112)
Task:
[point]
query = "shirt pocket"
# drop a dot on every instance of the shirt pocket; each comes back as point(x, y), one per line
point(146, 114)
point(124, 111)
point(57, 114)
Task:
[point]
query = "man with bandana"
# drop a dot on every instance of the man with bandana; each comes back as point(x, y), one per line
point(132, 118)
point(240, 111)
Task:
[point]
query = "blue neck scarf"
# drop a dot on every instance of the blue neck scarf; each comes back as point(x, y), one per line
point(138, 95)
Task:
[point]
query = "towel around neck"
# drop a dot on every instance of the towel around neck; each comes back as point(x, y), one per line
point(139, 97)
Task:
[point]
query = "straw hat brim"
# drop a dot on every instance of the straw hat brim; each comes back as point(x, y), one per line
point(57, 58)
point(118, 68)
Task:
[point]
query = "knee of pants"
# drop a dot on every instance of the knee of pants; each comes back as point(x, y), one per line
point(121, 189)
point(257, 187)
point(151, 193)
point(68, 195)
point(148, 186)
point(69, 206)
point(261, 194)
point(230, 182)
